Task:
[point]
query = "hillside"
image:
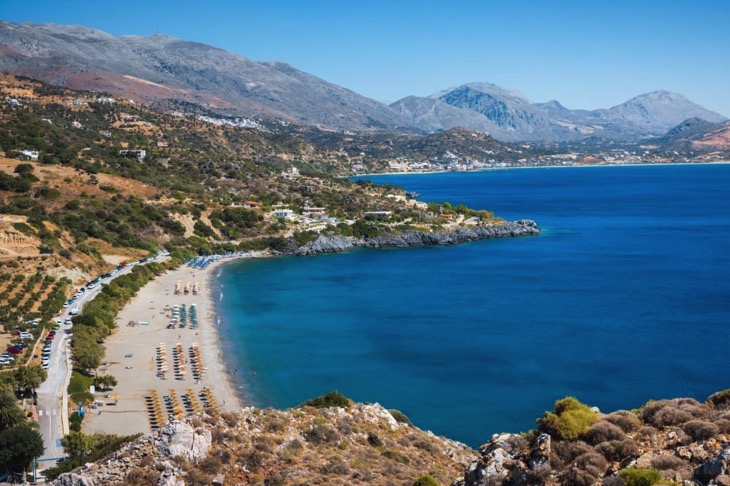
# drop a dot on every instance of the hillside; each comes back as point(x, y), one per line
point(161, 69)
point(89, 180)
point(332, 441)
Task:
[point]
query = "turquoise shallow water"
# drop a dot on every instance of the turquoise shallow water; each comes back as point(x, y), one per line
point(624, 297)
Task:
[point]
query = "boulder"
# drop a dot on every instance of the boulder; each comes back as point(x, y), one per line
point(72, 479)
point(718, 465)
point(181, 439)
point(540, 454)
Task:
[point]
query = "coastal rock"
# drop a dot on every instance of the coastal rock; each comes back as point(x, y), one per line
point(72, 479)
point(336, 243)
point(181, 439)
point(496, 462)
point(716, 466)
point(540, 454)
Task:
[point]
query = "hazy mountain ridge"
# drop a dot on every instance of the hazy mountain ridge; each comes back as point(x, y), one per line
point(516, 118)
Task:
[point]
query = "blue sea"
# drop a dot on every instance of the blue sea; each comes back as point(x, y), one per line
point(625, 297)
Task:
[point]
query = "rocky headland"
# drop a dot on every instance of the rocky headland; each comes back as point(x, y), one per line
point(337, 244)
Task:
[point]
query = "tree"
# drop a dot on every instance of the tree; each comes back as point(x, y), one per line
point(19, 446)
point(105, 382)
point(23, 168)
point(11, 414)
point(570, 419)
point(78, 445)
point(29, 377)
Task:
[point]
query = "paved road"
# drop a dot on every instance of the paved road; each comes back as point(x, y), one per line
point(51, 404)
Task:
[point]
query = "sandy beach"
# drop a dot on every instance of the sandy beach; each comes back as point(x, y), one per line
point(143, 340)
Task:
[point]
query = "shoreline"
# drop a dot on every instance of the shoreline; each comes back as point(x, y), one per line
point(132, 349)
point(142, 334)
point(497, 169)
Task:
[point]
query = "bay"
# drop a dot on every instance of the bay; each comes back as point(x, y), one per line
point(625, 297)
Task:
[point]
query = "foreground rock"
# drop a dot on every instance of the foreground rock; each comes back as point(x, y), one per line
point(336, 244)
point(363, 444)
point(679, 441)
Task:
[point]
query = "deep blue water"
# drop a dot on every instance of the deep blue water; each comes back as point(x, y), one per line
point(624, 297)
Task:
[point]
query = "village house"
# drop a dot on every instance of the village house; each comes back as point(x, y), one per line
point(76, 124)
point(290, 174)
point(251, 205)
point(138, 154)
point(29, 154)
point(284, 213)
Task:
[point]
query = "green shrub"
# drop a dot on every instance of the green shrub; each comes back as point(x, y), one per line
point(331, 399)
point(426, 480)
point(374, 440)
point(640, 477)
point(400, 417)
point(75, 422)
point(570, 420)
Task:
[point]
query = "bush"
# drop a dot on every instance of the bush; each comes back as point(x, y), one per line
point(665, 463)
point(566, 452)
point(670, 416)
point(700, 430)
point(331, 399)
point(320, 434)
point(626, 421)
point(426, 480)
point(587, 469)
point(400, 417)
point(613, 481)
point(617, 450)
point(640, 477)
point(23, 168)
point(142, 477)
point(374, 440)
point(602, 432)
point(570, 419)
point(720, 400)
point(75, 422)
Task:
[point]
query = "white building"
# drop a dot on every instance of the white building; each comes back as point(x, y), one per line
point(30, 154)
point(284, 213)
point(138, 154)
point(291, 174)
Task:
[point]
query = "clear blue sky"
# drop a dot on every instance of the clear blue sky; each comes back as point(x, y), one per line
point(586, 54)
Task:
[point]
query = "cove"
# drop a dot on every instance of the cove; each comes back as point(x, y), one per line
point(623, 298)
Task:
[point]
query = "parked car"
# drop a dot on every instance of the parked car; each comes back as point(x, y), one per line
point(15, 350)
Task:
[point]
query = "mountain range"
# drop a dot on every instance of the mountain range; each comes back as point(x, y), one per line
point(508, 115)
point(169, 72)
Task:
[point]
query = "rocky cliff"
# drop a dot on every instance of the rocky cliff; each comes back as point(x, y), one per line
point(359, 444)
point(679, 441)
point(336, 244)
